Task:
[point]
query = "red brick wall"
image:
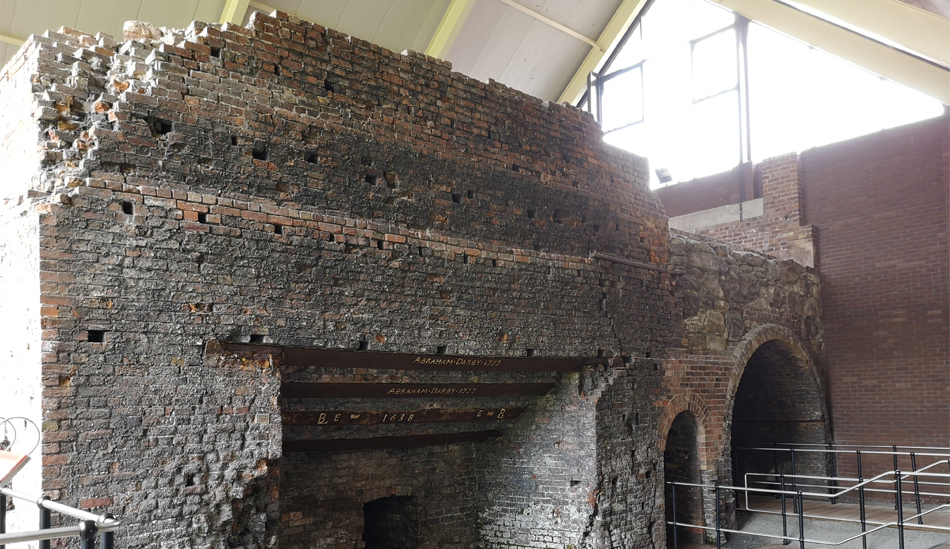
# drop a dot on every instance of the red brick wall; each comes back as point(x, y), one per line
point(877, 209)
point(779, 231)
point(710, 192)
point(880, 204)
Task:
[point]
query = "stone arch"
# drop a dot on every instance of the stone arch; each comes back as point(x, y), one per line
point(799, 388)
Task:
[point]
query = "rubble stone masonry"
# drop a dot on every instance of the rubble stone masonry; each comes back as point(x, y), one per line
point(180, 211)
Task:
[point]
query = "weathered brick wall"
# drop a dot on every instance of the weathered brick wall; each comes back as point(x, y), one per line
point(536, 485)
point(286, 184)
point(880, 203)
point(712, 191)
point(322, 495)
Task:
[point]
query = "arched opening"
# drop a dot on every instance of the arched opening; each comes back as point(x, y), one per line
point(778, 404)
point(681, 463)
point(391, 523)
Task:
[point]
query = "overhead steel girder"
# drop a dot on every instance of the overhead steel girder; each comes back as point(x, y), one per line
point(910, 27)
point(890, 63)
point(234, 11)
point(448, 28)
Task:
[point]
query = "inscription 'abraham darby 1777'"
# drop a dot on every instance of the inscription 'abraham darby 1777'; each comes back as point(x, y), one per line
point(334, 358)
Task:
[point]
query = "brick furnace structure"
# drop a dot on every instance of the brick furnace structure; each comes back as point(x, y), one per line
point(279, 286)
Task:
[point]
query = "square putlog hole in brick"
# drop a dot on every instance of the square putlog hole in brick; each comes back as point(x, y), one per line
point(96, 336)
point(259, 152)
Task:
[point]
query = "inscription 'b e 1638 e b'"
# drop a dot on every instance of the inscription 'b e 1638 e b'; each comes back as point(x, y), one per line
point(406, 416)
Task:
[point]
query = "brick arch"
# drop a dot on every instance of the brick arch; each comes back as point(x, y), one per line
point(787, 342)
point(754, 339)
point(687, 402)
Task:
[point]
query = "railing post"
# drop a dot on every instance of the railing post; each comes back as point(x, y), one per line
point(801, 520)
point(913, 466)
point(834, 472)
point(896, 467)
point(3, 516)
point(775, 460)
point(107, 539)
point(87, 534)
point(46, 521)
point(794, 478)
point(900, 508)
point(785, 541)
point(719, 520)
point(864, 524)
point(676, 544)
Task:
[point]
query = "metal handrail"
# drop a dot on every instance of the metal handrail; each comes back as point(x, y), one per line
point(827, 450)
point(833, 445)
point(801, 538)
point(89, 523)
point(899, 478)
point(862, 484)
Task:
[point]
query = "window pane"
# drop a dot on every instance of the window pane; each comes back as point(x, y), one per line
point(801, 97)
point(706, 17)
point(630, 54)
point(663, 26)
point(715, 66)
point(623, 100)
point(713, 144)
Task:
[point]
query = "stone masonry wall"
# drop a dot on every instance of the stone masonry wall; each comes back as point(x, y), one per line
point(289, 185)
point(733, 303)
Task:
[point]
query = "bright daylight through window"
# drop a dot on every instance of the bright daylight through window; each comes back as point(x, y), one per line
point(678, 88)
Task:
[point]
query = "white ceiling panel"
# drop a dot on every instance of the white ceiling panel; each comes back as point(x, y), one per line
point(106, 16)
point(470, 43)
point(36, 16)
point(171, 13)
point(288, 6)
point(7, 8)
point(530, 68)
point(323, 12)
point(587, 17)
point(429, 25)
point(510, 30)
point(548, 79)
point(209, 11)
point(401, 24)
point(363, 19)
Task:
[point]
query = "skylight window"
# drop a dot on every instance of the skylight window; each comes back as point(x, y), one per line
point(675, 91)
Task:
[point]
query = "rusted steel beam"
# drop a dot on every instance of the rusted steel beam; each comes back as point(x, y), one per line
point(328, 418)
point(349, 444)
point(332, 358)
point(412, 390)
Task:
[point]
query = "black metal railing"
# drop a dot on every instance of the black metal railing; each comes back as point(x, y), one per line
point(86, 528)
point(898, 479)
point(832, 482)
